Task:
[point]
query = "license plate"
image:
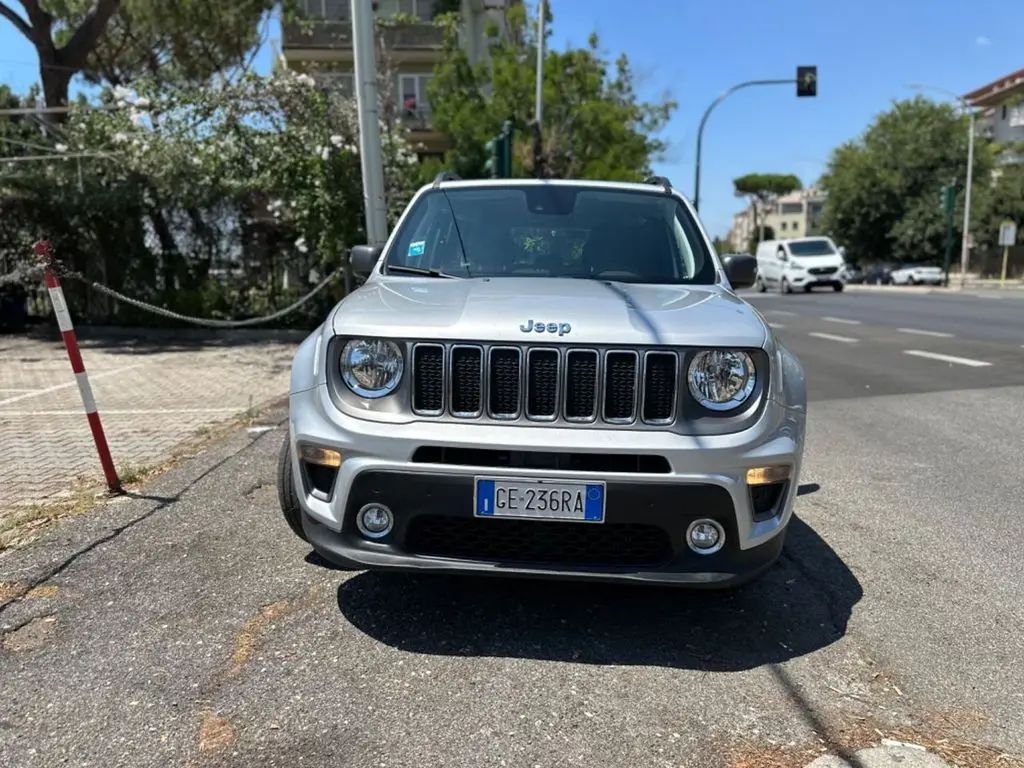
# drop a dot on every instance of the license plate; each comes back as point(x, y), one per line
point(539, 499)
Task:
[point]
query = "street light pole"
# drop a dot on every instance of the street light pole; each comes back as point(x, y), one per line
point(369, 122)
point(965, 243)
point(707, 113)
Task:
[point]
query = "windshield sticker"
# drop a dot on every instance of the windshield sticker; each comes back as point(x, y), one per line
point(417, 248)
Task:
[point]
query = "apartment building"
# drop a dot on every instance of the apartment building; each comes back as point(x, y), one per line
point(322, 45)
point(1000, 116)
point(793, 215)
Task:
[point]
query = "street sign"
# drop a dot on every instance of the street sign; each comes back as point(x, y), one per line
point(806, 81)
point(1007, 234)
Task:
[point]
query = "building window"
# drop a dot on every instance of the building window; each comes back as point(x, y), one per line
point(422, 9)
point(412, 95)
point(332, 10)
point(791, 208)
point(1016, 116)
point(783, 226)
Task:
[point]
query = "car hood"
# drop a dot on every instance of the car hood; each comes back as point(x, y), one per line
point(580, 312)
point(810, 262)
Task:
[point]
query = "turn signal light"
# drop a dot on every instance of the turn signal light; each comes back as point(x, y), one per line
point(322, 457)
point(767, 475)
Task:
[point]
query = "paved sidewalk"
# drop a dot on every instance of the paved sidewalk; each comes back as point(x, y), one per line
point(152, 396)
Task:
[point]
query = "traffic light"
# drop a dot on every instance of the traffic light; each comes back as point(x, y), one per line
point(499, 153)
point(948, 200)
point(806, 81)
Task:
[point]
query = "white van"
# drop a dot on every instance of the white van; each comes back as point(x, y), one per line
point(802, 263)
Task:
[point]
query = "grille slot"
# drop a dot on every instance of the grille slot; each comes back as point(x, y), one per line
point(542, 379)
point(620, 386)
point(467, 381)
point(659, 397)
point(504, 382)
point(545, 383)
point(428, 379)
point(581, 385)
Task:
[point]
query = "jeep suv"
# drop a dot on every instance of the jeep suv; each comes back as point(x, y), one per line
point(550, 379)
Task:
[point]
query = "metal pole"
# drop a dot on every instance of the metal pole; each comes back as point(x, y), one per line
point(707, 113)
point(965, 244)
point(538, 109)
point(369, 122)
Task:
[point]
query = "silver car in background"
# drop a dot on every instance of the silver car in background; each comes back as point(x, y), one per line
point(548, 379)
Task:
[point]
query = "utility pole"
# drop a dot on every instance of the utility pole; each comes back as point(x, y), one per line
point(806, 86)
point(369, 122)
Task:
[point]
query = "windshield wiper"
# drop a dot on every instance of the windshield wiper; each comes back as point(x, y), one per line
point(406, 270)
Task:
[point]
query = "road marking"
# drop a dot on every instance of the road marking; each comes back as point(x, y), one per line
point(59, 387)
point(777, 326)
point(936, 334)
point(832, 337)
point(841, 320)
point(947, 358)
point(134, 412)
point(780, 312)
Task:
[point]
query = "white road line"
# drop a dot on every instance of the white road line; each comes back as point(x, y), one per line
point(780, 312)
point(842, 320)
point(72, 383)
point(134, 412)
point(947, 358)
point(936, 334)
point(832, 337)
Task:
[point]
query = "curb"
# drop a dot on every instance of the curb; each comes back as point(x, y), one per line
point(193, 335)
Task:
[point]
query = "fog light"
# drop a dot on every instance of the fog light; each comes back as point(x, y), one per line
point(767, 475)
point(375, 521)
point(322, 457)
point(705, 537)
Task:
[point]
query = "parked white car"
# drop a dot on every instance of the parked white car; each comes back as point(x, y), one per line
point(918, 274)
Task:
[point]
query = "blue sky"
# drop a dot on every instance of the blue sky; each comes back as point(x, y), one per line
point(867, 52)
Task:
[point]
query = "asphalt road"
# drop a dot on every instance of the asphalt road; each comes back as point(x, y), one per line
point(190, 628)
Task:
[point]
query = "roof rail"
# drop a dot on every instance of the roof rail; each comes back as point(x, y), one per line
point(445, 176)
point(661, 181)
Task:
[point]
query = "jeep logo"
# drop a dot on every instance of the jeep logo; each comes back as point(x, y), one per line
point(539, 327)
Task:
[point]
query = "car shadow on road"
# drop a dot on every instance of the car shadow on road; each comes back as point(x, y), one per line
point(801, 605)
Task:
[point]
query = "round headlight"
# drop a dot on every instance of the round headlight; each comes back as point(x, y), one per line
point(371, 367)
point(721, 379)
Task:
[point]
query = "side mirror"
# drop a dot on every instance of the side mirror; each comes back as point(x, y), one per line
point(740, 269)
point(363, 259)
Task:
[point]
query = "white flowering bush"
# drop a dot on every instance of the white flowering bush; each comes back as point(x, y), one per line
point(216, 201)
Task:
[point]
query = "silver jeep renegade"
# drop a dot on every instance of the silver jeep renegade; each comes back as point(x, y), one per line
point(546, 378)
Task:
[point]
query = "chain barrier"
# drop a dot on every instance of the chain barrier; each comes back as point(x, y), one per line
point(51, 263)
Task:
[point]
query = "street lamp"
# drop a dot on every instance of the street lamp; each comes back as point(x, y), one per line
point(965, 243)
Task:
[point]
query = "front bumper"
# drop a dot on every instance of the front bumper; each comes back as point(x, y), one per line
point(647, 512)
point(807, 280)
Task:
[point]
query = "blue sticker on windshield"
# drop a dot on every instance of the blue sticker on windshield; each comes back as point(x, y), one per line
point(417, 248)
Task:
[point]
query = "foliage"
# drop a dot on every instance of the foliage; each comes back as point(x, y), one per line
point(219, 200)
point(594, 124)
point(756, 239)
point(884, 188)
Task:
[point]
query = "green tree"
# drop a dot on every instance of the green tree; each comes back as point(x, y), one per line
point(762, 189)
point(594, 125)
point(756, 239)
point(884, 188)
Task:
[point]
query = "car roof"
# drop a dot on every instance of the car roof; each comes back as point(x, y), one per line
point(526, 182)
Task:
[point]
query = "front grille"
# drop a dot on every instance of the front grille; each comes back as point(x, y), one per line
point(823, 270)
point(506, 383)
point(540, 542)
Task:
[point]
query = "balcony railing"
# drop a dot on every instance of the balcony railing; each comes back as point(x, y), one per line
point(335, 35)
point(415, 119)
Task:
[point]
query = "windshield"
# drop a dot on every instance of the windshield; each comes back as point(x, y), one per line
point(817, 247)
point(553, 231)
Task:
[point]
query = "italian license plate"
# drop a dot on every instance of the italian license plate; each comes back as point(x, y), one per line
point(539, 499)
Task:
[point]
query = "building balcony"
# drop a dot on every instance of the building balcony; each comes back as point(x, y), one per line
point(320, 34)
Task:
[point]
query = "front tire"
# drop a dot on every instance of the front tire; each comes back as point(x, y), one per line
point(837, 287)
point(784, 286)
point(286, 495)
point(759, 285)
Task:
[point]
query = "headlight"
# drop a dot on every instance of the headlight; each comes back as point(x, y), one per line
point(371, 367)
point(721, 379)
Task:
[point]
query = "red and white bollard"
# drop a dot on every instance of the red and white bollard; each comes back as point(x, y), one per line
point(44, 253)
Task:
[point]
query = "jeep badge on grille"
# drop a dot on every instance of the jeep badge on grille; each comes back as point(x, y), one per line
point(539, 327)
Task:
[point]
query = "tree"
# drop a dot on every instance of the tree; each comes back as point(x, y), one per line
point(884, 188)
point(762, 189)
point(594, 125)
point(62, 50)
point(758, 236)
point(118, 41)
